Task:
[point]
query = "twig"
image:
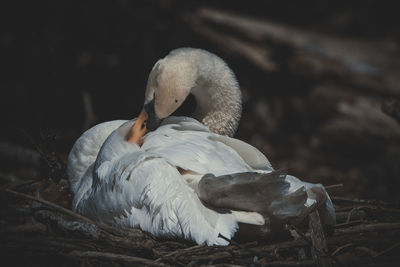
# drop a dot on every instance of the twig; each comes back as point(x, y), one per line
point(108, 244)
point(17, 184)
point(212, 257)
point(45, 243)
point(257, 252)
point(333, 240)
point(365, 250)
point(355, 238)
point(387, 250)
point(318, 240)
point(112, 257)
point(52, 205)
point(363, 228)
point(179, 252)
point(346, 224)
point(56, 207)
point(256, 54)
point(359, 201)
point(312, 46)
point(301, 234)
point(225, 238)
point(221, 265)
point(391, 107)
point(341, 248)
point(272, 248)
point(370, 206)
point(333, 186)
point(289, 263)
point(350, 213)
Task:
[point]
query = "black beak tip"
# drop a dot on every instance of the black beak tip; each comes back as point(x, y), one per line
point(153, 121)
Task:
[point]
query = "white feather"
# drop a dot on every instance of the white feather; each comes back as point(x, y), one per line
point(121, 183)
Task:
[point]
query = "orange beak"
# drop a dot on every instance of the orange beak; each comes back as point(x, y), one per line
point(138, 129)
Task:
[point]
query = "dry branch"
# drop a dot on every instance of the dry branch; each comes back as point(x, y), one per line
point(254, 53)
point(318, 240)
point(126, 231)
point(392, 108)
point(112, 257)
point(364, 228)
point(349, 78)
point(369, 65)
point(79, 239)
point(123, 238)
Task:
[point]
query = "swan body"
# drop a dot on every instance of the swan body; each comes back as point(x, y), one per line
point(167, 183)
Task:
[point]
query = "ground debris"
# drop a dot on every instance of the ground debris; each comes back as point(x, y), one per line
point(38, 231)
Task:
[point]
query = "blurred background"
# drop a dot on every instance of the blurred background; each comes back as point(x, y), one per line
point(320, 80)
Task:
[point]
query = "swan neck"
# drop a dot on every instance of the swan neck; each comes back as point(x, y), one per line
point(218, 100)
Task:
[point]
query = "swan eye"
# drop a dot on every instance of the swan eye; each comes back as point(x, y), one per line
point(176, 100)
point(143, 125)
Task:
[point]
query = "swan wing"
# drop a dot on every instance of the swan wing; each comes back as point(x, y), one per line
point(142, 189)
point(186, 143)
point(84, 151)
point(135, 187)
point(251, 155)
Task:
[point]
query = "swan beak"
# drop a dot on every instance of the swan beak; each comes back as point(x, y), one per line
point(139, 129)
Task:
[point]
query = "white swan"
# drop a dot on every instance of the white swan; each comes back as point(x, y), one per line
point(156, 182)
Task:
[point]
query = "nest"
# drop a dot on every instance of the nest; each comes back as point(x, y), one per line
point(39, 229)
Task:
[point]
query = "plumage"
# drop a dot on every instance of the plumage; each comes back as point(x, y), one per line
point(142, 186)
point(185, 179)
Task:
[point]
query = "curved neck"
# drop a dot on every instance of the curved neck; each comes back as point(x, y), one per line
point(219, 100)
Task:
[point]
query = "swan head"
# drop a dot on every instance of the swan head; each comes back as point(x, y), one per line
point(186, 71)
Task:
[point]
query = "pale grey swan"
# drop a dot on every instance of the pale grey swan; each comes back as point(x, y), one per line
point(185, 178)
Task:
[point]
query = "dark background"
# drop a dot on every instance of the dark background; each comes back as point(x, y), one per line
point(320, 116)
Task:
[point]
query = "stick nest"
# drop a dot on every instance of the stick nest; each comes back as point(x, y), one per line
point(38, 228)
